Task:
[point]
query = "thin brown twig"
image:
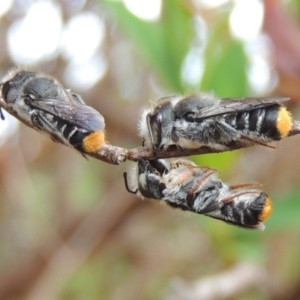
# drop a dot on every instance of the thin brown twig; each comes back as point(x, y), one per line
point(226, 285)
point(116, 155)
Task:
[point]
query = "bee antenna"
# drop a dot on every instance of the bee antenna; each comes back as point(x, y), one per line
point(126, 185)
point(2, 114)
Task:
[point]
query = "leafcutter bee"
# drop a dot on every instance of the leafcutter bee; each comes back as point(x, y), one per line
point(41, 102)
point(191, 122)
point(182, 184)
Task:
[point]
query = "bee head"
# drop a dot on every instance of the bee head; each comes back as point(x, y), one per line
point(11, 87)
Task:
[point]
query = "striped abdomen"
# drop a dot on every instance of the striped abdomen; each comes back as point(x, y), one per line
point(273, 122)
point(80, 139)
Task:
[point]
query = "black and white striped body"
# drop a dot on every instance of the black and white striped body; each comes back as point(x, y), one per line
point(258, 125)
point(203, 120)
point(189, 187)
point(59, 131)
point(182, 184)
point(41, 102)
point(260, 122)
point(247, 209)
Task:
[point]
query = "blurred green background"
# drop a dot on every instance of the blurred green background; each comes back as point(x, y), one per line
point(69, 229)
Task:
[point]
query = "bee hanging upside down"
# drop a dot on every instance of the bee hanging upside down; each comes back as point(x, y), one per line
point(201, 120)
point(41, 102)
point(182, 184)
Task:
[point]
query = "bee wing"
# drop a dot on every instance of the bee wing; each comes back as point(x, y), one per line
point(74, 113)
point(64, 95)
point(234, 105)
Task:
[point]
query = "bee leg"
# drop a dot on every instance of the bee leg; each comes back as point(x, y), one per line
point(153, 147)
point(205, 201)
point(40, 121)
point(181, 162)
point(54, 138)
point(246, 138)
point(127, 186)
point(206, 169)
point(176, 205)
point(231, 198)
point(209, 132)
point(209, 202)
point(244, 185)
point(37, 121)
point(200, 181)
point(83, 154)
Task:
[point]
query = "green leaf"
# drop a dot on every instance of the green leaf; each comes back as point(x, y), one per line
point(164, 43)
point(286, 213)
point(220, 161)
point(225, 70)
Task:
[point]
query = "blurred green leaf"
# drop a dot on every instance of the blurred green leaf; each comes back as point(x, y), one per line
point(233, 243)
point(293, 7)
point(286, 213)
point(85, 189)
point(225, 69)
point(86, 283)
point(220, 161)
point(164, 43)
point(236, 243)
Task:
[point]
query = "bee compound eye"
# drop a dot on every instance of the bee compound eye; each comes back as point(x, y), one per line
point(5, 90)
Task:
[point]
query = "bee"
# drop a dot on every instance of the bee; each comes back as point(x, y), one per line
point(181, 184)
point(41, 102)
point(191, 122)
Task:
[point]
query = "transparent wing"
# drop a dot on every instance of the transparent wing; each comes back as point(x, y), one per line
point(235, 105)
point(74, 113)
